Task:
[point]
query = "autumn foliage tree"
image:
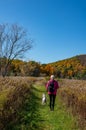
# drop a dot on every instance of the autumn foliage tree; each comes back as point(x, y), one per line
point(47, 69)
point(33, 68)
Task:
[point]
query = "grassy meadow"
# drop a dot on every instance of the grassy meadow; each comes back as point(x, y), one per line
point(21, 107)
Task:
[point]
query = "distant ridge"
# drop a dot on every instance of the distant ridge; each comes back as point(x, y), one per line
point(82, 59)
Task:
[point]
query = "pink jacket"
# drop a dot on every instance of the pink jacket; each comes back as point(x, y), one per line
point(55, 85)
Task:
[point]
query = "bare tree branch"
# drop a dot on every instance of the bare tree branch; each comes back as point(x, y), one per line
point(14, 42)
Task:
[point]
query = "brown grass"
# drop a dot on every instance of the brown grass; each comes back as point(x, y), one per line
point(73, 93)
point(13, 92)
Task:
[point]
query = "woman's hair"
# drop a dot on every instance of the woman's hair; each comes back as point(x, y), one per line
point(52, 76)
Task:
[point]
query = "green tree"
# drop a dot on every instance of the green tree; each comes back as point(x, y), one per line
point(31, 68)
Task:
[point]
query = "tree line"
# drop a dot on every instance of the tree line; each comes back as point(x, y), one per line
point(70, 68)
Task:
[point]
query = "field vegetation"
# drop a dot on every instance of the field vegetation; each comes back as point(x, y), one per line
point(14, 92)
point(73, 93)
point(21, 108)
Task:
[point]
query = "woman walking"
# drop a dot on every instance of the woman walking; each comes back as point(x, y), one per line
point(52, 86)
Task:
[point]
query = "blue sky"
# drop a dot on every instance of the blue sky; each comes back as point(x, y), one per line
point(58, 27)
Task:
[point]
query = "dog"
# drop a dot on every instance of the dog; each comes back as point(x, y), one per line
point(43, 99)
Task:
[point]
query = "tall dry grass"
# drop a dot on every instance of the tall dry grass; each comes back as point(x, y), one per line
point(13, 93)
point(73, 93)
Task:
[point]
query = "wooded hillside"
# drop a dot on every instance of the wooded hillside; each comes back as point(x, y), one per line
point(74, 67)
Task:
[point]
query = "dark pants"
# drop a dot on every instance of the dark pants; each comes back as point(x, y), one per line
point(52, 101)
